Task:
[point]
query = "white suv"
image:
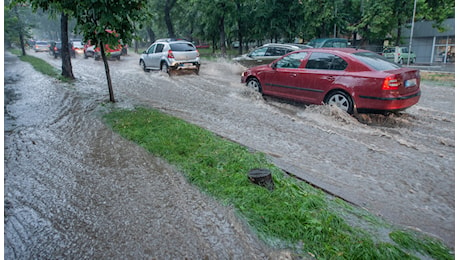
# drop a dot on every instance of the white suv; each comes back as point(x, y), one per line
point(169, 54)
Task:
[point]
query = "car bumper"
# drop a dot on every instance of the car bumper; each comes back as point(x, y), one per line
point(395, 103)
point(185, 65)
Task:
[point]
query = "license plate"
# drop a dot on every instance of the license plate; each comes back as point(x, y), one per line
point(187, 65)
point(410, 83)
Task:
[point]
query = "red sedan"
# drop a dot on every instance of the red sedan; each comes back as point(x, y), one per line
point(352, 79)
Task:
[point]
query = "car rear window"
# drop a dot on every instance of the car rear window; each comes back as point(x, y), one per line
point(375, 61)
point(182, 46)
point(41, 43)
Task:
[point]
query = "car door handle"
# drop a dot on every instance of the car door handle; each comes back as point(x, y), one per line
point(293, 75)
point(330, 78)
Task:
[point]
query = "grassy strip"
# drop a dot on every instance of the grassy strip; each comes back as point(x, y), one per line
point(40, 65)
point(294, 213)
point(439, 78)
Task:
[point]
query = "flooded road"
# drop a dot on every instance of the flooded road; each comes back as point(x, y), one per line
point(75, 190)
point(400, 167)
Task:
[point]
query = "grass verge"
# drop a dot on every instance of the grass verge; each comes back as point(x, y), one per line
point(40, 65)
point(294, 215)
point(438, 78)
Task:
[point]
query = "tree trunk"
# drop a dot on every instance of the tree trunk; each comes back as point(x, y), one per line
point(151, 34)
point(398, 34)
point(223, 48)
point(240, 29)
point(21, 32)
point(168, 7)
point(65, 51)
point(107, 72)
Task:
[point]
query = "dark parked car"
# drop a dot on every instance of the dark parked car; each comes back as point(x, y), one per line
point(348, 78)
point(329, 43)
point(267, 53)
point(55, 49)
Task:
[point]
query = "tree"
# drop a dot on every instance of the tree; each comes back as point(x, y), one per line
point(95, 18)
point(63, 7)
point(17, 28)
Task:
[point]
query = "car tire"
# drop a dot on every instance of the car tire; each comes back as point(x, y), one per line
point(254, 84)
point(341, 100)
point(142, 63)
point(164, 68)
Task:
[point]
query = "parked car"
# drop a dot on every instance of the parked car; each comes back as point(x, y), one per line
point(354, 80)
point(41, 46)
point(55, 49)
point(267, 53)
point(402, 54)
point(169, 55)
point(329, 43)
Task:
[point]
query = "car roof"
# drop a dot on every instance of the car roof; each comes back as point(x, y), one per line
point(287, 45)
point(337, 50)
point(171, 40)
point(327, 39)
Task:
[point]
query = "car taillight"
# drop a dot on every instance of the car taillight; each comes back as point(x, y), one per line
point(391, 83)
point(170, 54)
point(55, 48)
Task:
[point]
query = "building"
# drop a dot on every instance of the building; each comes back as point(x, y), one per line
point(430, 45)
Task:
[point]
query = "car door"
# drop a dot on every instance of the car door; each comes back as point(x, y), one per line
point(254, 58)
point(282, 80)
point(321, 72)
point(157, 55)
point(148, 57)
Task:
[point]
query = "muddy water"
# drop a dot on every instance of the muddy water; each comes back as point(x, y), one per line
point(400, 166)
point(75, 190)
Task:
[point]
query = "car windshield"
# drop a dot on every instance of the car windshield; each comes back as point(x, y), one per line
point(77, 44)
point(315, 43)
point(376, 61)
point(182, 46)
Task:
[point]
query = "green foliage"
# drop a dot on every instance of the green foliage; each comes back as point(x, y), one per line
point(293, 215)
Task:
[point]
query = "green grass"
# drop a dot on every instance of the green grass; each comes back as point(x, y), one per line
point(438, 78)
point(40, 65)
point(293, 215)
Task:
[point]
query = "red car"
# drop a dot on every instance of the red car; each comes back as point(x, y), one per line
point(352, 79)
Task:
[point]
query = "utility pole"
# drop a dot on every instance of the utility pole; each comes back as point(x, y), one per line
point(412, 32)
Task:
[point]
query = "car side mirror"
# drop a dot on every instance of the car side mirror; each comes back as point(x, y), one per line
point(274, 65)
point(144, 52)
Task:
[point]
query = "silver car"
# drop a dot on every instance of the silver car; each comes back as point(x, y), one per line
point(169, 55)
point(267, 53)
point(41, 46)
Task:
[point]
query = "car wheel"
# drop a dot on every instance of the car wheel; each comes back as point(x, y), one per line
point(142, 63)
point(254, 84)
point(341, 100)
point(164, 67)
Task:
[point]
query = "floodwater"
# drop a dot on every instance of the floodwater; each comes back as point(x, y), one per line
point(75, 190)
point(93, 192)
